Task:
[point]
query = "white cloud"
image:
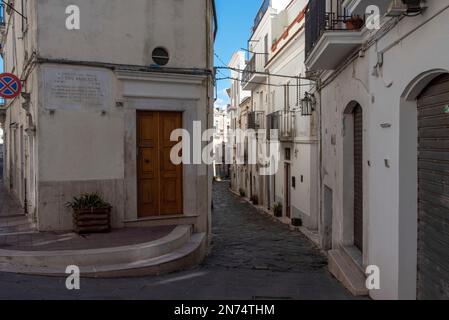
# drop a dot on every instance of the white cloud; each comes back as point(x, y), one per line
point(220, 104)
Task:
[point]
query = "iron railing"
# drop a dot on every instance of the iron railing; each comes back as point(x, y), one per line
point(260, 14)
point(256, 120)
point(282, 122)
point(249, 71)
point(318, 20)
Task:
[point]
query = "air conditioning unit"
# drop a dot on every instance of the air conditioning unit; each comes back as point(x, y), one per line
point(397, 8)
point(407, 7)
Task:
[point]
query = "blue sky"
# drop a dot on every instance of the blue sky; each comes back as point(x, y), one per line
point(235, 19)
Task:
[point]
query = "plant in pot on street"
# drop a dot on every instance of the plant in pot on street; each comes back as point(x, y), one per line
point(91, 214)
point(255, 200)
point(278, 210)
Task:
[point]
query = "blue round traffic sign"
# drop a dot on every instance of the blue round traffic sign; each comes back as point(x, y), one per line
point(10, 86)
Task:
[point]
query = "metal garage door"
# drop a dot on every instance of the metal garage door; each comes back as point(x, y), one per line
point(433, 184)
point(358, 177)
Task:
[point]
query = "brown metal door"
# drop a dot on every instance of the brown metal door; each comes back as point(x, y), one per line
point(433, 185)
point(159, 181)
point(288, 209)
point(358, 177)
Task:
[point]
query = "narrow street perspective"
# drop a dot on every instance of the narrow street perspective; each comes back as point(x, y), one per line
point(260, 150)
point(251, 259)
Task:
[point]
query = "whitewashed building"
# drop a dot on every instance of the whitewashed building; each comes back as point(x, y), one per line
point(239, 99)
point(275, 74)
point(384, 94)
point(99, 104)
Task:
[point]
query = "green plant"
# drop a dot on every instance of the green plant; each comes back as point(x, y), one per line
point(277, 209)
point(90, 201)
point(242, 192)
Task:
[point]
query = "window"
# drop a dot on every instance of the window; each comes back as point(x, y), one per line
point(160, 56)
point(288, 156)
point(266, 48)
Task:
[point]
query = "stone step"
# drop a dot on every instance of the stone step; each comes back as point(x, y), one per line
point(347, 272)
point(186, 256)
point(98, 257)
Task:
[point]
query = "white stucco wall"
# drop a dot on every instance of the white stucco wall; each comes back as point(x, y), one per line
point(125, 32)
point(390, 192)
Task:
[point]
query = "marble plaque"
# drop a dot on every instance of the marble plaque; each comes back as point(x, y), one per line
point(76, 88)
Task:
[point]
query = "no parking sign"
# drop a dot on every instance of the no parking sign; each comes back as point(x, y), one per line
point(10, 86)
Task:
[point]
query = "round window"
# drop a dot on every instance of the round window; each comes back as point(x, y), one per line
point(160, 56)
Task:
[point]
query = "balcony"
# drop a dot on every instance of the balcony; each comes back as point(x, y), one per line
point(254, 73)
point(284, 122)
point(260, 14)
point(256, 120)
point(330, 36)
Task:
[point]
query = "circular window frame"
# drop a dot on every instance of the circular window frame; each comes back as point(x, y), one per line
point(161, 58)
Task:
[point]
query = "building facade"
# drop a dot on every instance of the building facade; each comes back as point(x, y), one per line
point(222, 124)
point(240, 101)
point(275, 75)
point(97, 112)
point(383, 86)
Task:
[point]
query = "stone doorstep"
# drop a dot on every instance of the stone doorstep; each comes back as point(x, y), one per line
point(312, 236)
point(342, 267)
point(97, 257)
point(189, 255)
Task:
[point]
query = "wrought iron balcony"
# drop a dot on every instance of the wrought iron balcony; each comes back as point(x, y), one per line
point(330, 35)
point(284, 123)
point(260, 14)
point(254, 73)
point(256, 120)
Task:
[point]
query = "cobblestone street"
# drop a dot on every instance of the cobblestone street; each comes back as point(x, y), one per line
point(252, 258)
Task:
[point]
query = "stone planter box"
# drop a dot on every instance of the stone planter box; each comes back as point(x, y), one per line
point(92, 221)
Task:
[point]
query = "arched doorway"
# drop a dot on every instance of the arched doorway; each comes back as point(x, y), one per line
point(353, 176)
point(433, 190)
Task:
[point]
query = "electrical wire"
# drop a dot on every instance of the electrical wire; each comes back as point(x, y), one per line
point(14, 9)
point(268, 84)
point(266, 73)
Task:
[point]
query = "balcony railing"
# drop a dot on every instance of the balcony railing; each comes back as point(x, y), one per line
point(284, 122)
point(254, 73)
point(260, 14)
point(318, 21)
point(249, 70)
point(256, 120)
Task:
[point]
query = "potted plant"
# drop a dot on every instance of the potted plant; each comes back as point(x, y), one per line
point(278, 210)
point(255, 200)
point(297, 222)
point(91, 214)
point(354, 23)
point(242, 193)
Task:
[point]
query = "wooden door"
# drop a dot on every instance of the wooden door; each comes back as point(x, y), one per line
point(433, 191)
point(159, 180)
point(358, 177)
